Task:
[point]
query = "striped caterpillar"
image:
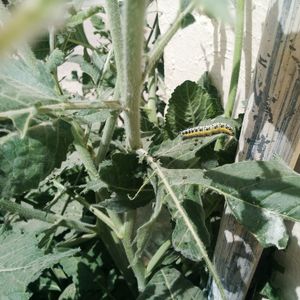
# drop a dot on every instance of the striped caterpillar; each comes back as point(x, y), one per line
point(207, 130)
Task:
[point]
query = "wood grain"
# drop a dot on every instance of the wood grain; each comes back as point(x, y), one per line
point(271, 127)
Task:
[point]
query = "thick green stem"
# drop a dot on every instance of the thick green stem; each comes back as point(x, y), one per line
point(138, 268)
point(134, 19)
point(237, 54)
point(31, 213)
point(161, 43)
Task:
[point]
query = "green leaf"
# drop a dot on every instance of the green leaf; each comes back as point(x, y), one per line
point(55, 59)
point(189, 18)
point(168, 283)
point(190, 104)
point(24, 86)
point(22, 262)
point(144, 233)
point(82, 15)
point(183, 150)
point(93, 275)
point(87, 67)
point(254, 191)
point(182, 238)
point(123, 175)
point(260, 194)
point(25, 162)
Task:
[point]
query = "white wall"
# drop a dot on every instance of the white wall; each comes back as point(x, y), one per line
point(207, 45)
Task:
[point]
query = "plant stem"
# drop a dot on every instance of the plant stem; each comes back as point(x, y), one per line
point(78, 105)
point(238, 45)
point(83, 152)
point(134, 18)
point(138, 268)
point(32, 213)
point(157, 257)
point(99, 214)
point(107, 134)
point(151, 105)
point(114, 20)
point(237, 54)
point(155, 167)
point(161, 43)
point(113, 13)
point(90, 165)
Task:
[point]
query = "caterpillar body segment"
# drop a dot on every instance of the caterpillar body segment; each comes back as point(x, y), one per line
point(207, 130)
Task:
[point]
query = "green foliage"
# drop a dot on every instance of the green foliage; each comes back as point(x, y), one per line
point(123, 177)
point(25, 162)
point(22, 262)
point(146, 221)
point(190, 104)
point(168, 283)
point(24, 85)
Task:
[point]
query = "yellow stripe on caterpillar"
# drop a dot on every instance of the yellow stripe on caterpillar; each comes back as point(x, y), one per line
point(207, 130)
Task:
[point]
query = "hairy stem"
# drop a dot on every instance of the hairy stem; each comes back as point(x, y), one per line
point(114, 18)
point(134, 18)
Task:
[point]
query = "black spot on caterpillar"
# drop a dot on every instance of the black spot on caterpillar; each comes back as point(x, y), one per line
point(207, 130)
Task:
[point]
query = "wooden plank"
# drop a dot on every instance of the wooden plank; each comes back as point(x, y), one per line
point(271, 127)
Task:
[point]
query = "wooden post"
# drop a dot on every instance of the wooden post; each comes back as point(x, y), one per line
point(271, 127)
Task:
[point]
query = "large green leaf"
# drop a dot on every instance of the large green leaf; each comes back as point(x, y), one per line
point(25, 162)
point(168, 283)
point(260, 194)
point(24, 86)
point(22, 262)
point(191, 103)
